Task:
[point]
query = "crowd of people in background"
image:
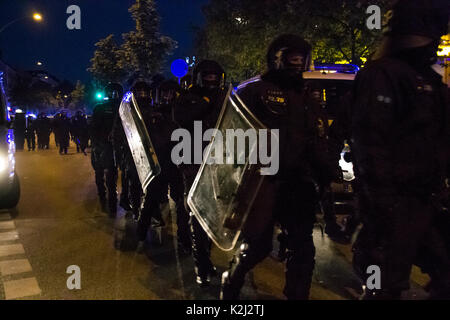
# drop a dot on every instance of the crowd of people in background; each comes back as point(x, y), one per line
point(36, 131)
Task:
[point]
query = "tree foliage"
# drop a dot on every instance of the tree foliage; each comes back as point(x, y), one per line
point(78, 96)
point(107, 61)
point(238, 32)
point(143, 51)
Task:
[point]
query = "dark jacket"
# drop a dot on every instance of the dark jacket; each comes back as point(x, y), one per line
point(400, 128)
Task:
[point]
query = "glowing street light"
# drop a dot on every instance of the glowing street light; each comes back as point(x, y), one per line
point(37, 17)
point(39, 63)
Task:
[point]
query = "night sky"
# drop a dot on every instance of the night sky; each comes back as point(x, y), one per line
point(66, 53)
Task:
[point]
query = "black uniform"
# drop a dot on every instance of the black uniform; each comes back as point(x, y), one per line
point(160, 131)
point(102, 158)
point(30, 134)
point(281, 101)
point(142, 93)
point(19, 127)
point(43, 130)
point(166, 94)
point(63, 127)
point(199, 103)
point(80, 131)
point(401, 131)
point(122, 156)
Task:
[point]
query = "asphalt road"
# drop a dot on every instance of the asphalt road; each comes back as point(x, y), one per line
point(58, 223)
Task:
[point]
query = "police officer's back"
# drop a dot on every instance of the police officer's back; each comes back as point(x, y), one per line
point(401, 136)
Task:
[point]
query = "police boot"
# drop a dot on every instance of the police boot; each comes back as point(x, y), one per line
point(299, 271)
point(234, 278)
point(204, 268)
point(227, 290)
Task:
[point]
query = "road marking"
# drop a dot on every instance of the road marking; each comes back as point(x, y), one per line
point(14, 266)
point(21, 288)
point(11, 249)
point(7, 225)
point(8, 236)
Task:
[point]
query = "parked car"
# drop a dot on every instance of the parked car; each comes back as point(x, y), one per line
point(9, 181)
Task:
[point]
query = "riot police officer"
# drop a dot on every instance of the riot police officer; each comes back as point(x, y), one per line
point(280, 100)
point(121, 152)
point(202, 102)
point(43, 130)
point(80, 131)
point(19, 127)
point(167, 94)
point(142, 93)
point(102, 149)
point(400, 128)
point(55, 129)
point(63, 127)
point(160, 129)
point(30, 134)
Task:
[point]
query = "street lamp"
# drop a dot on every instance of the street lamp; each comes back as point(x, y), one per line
point(36, 17)
point(39, 63)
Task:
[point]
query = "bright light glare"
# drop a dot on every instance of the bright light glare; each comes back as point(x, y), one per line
point(3, 163)
point(347, 169)
point(37, 17)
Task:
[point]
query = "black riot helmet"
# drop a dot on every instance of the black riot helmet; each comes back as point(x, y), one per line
point(289, 53)
point(114, 91)
point(209, 74)
point(412, 31)
point(426, 18)
point(167, 92)
point(141, 90)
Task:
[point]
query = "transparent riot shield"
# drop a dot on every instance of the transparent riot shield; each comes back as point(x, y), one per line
point(222, 194)
point(139, 141)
